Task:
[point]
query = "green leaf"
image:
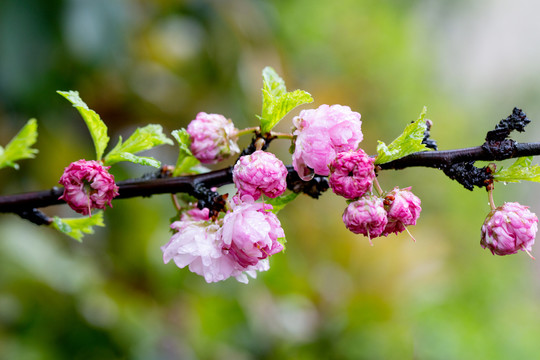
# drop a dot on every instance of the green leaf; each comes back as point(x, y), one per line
point(186, 163)
point(144, 138)
point(277, 102)
point(140, 160)
point(281, 201)
point(77, 227)
point(410, 141)
point(20, 146)
point(521, 169)
point(97, 128)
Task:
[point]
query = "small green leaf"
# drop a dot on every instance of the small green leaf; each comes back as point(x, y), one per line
point(410, 141)
point(144, 138)
point(281, 201)
point(277, 102)
point(20, 146)
point(97, 128)
point(186, 163)
point(77, 227)
point(521, 169)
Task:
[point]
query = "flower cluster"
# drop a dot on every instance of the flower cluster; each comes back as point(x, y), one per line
point(238, 243)
point(373, 216)
point(327, 143)
point(235, 246)
point(88, 185)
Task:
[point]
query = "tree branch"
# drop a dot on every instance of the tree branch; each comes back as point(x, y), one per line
point(188, 184)
point(439, 159)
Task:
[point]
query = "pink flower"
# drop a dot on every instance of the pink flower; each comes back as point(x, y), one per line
point(366, 216)
point(403, 209)
point(352, 174)
point(213, 138)
point(196, 244)
point(260, 172)
point(250, 234)
point(509, 228)
point(320, 134)
point(88, 185)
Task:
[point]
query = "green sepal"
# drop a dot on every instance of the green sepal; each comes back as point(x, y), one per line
point(410, 141)
point(282, 241)
point(521, 169)
point(77, 227)
point(96, 126)
point(280, 202)
point(144, 138)
point(186, 163)
point(277, 102)
point(20, 146)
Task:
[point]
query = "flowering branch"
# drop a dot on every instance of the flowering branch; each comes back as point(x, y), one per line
point(217, 237)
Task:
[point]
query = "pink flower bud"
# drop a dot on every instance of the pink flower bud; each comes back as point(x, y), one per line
point(260, 172)
point(213, 138)
point(320, 134)
point(352, 174)
point(509, 228)
point(250, 234)
point(403, 209)
point(366, 216)
point(88, 185)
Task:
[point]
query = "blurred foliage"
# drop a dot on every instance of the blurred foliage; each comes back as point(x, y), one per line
point(330, 295)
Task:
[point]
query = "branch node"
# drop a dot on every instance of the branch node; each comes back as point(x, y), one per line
point(517, 120)
point(468, 175)
point(210, 199)
point(314, 187)
point(500, 149)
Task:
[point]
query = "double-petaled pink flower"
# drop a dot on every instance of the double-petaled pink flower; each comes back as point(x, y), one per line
point(352, 174)
point(508, 229)
point(213, 138)
point(249, 234)
point(322, 133)
point(366, 216)
point(403, 208)
point(260, 173)
point(88, 185)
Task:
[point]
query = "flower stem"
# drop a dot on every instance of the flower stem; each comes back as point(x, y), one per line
point(259, 143)
point(281, 135)
point(528, 253)
point(248, 130)
point(490, 196)
point(175, 202)
point(378, 186)
point(408, 232)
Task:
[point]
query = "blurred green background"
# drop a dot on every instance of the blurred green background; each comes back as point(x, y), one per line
point(330, 295)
